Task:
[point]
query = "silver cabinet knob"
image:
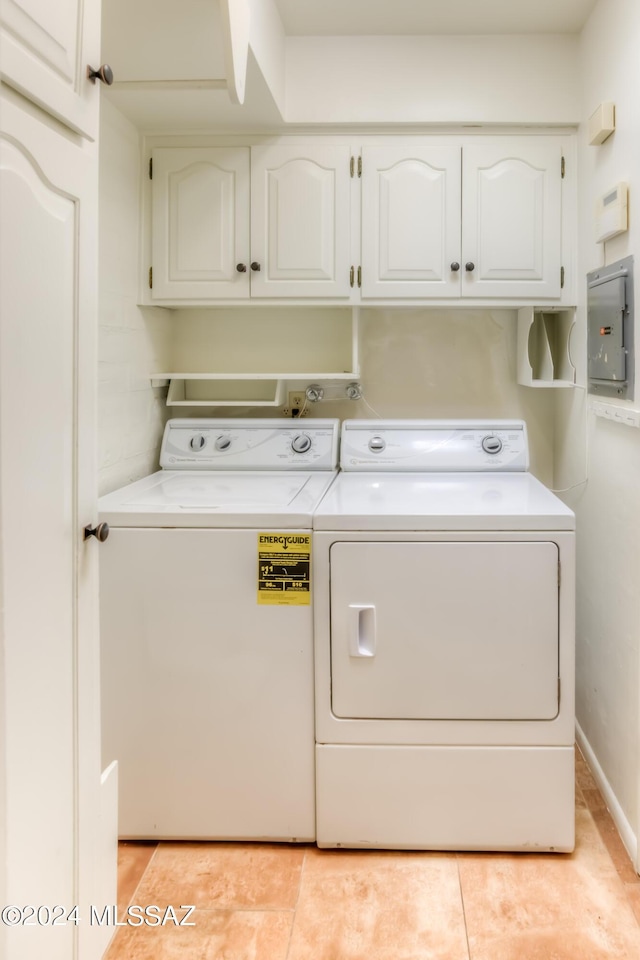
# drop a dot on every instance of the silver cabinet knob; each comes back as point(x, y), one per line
point(100, 532)
point(104, 73)
point(455, 266)
point(255, 266)
point(469, 266)
point(197, 442)
point(241, 267)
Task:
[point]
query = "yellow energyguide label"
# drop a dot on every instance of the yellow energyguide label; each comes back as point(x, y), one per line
point(284, 568)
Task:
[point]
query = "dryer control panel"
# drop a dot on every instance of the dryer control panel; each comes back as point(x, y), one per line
point(434, 445)
point(229, 444)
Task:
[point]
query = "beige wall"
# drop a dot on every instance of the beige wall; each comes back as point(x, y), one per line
point(132, 342)
point(526, 79)
point(608, 505)
point(414, 363)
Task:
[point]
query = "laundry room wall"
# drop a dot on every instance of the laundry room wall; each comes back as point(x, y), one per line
point(608, 505)
point(132, 341)
point(433, 79)
point(414, 363)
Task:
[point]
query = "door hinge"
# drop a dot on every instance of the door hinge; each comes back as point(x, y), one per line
point(562, 168)
point(352, 274)
point(150, 168)
point(561, 277)
point(359, 276)
point(151, 278)
point(352, 166)
point(359, 166)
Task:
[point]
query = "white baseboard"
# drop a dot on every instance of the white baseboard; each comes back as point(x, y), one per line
point(623, 826)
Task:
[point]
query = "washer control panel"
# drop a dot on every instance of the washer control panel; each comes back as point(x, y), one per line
point(434, 445)
point(227, 444)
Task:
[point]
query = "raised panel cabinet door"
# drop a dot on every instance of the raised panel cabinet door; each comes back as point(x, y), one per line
point(45, 47)
point(200, 223)
point(511, 222)
point(300, 221)
point(410, 220)
point(49, 651)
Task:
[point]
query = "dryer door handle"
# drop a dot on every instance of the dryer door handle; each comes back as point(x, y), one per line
point(362, 630)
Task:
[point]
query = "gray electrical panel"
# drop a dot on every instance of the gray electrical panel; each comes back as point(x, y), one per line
point(610, 330)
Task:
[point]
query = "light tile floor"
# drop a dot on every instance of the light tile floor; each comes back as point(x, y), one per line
point(286, 902)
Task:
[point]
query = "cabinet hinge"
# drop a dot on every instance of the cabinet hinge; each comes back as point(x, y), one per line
point(352, 275)
point(151, 278)
point(352, 166)
point(359, 276)
point(561, 277)
point(562, 168)
point(359, 166)
point(150, 168)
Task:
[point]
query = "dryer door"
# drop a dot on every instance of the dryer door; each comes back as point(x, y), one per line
point(444, 630)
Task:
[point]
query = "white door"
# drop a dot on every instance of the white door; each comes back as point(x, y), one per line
point(410, 220)
point(45, 48)
point(444, 630)
point(300, 221)
point(200, 223)
point(511, 224)
point(49, 735)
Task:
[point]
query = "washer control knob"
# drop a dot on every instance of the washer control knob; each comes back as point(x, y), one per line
point(197, 442)
point(376, 444)
point(492, 444)
point(301, 443)
point(222, 443)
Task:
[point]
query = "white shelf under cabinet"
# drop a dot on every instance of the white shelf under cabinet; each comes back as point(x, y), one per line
point(197, 391)
point(544, 356)
point(231, 358)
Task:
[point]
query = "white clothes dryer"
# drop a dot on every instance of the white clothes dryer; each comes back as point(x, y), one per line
point(444, 635)
point(206, 620)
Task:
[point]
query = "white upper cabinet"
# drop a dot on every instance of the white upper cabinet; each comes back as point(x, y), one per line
point(45, 48)
point(399, 218)
point(300, 221)
point(410, 220)
point(512, 216)
point(210, 241)
point(491, 229)
point(200, 223)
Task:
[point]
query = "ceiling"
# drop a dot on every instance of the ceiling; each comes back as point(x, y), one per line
point(411, 17)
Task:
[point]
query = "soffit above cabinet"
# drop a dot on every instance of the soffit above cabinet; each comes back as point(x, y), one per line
point(408, 18)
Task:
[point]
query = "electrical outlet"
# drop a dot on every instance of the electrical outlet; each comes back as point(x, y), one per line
point(296, 402)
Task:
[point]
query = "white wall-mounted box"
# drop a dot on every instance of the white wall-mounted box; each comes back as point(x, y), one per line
point(602, 123)
point(611, 213)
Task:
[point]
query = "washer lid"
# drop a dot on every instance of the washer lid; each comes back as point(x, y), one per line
point(209, 499)
point(441, 501)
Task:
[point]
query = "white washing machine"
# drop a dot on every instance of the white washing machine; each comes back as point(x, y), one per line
point(444, 635)
point(207, 643)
